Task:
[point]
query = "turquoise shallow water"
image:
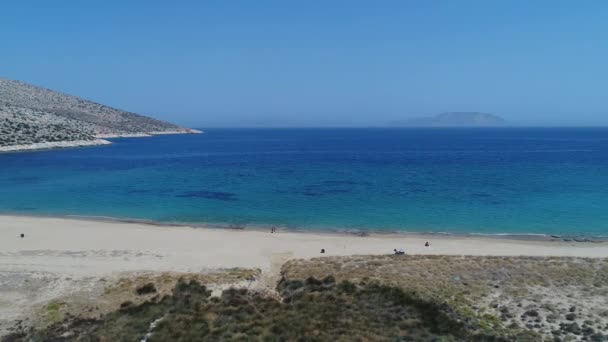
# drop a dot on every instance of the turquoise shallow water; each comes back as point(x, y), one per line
point(513, 181)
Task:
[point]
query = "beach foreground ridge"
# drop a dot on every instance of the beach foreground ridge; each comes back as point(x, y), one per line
point(58, 257)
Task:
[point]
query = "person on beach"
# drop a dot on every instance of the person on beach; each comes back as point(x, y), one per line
point(426, 244)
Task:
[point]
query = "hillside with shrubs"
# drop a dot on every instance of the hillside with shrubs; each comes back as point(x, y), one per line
point(30, 115)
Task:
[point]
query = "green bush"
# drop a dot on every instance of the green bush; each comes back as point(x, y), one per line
point(310, 310)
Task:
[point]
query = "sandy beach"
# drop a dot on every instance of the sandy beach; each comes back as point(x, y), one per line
point(63, 256)
point(89, 247)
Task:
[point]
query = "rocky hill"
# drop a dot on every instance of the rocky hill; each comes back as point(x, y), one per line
point(46, 118)
point(454, 119)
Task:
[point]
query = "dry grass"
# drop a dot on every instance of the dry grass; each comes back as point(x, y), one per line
point(93, 298)
point(361, 297)
point(125, 288)
point(310, 310)
point(534, 293)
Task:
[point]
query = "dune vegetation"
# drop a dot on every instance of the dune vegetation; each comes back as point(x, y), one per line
point(357, 298)
point(553, 298)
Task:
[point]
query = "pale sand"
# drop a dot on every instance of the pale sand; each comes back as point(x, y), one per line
point(86, 247)
point(72, 258)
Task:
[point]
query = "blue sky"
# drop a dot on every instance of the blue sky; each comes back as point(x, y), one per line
point(317, 63)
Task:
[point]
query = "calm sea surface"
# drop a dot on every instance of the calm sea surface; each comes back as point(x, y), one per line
point(549, 181)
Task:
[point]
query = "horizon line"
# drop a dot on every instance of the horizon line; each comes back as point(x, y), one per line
point(395, 127)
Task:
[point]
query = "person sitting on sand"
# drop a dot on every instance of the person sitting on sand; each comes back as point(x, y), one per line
point(426, 244)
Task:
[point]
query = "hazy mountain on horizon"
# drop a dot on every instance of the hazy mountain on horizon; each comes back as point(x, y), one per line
point(453, 119)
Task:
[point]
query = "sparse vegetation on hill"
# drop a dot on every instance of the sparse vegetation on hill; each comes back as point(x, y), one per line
point(21, 126)
point(30, 114)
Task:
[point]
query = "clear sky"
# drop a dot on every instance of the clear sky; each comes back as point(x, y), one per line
point(317, 63)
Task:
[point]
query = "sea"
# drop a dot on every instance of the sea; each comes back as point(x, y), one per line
point(496, 181)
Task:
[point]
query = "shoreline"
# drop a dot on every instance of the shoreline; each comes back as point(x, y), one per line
point(147, 134)
point(460, 242)
point(53, 145)
point(99, 140)
point(78, 248)
point(319, 231)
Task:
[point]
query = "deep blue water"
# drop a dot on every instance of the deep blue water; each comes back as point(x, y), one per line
point(524, 180)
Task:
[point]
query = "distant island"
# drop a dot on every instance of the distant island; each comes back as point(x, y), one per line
point(32, 117)
point(453, 119)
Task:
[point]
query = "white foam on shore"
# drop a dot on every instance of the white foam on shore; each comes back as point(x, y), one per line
point(146, 134)
point(188, 131)
point(123, 135)
point(53, 144)
point(100, 140)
